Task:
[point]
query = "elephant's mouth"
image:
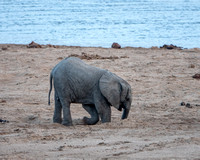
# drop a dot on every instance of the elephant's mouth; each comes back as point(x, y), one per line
point(121, 106)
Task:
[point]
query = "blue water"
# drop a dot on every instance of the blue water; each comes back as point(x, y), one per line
point(136, 23)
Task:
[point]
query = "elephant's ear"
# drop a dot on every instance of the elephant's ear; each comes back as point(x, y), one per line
point(110, 88)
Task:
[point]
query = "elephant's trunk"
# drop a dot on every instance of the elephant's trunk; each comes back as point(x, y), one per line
point(125, 113)
point(126, 110)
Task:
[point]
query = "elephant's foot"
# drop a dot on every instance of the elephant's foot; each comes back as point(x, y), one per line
point(90, 121)
point(57, 120)
point(67, 123)
point(105, 119)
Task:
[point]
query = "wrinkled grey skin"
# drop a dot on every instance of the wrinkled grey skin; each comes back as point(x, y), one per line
point(96, 89)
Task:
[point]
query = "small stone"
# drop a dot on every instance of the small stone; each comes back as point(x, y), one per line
point(116, 45)
point(32, 117)
point(182, 103)
point(61, 148)
point(171, 46)
point(17, 130)
point(197, 76)
point(60, 58)
point(2, 101)
point(4, 121)
point(191, 66)
point(188, 105)
point(4, 48)
point(34, 45)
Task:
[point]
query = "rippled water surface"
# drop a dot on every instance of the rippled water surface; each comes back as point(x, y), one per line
point(137, 23)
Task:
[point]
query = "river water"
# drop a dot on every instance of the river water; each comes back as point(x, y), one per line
point(136, 23)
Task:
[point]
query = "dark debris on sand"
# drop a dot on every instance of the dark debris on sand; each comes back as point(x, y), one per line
point(3, 121)
point(34, 45)
point(171, 46)
point(196, 76)
point(115, 45)
point(96, 56)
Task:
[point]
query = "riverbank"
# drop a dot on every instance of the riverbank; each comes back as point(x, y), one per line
point(158, 126)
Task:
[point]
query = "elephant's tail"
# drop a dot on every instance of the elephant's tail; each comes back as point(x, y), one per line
point(50, 80)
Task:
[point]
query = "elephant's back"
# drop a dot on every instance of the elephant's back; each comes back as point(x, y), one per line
point(70, 64)
point(77, 74)
point(78, 67)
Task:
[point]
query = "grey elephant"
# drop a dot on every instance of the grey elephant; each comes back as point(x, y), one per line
point(96, 89)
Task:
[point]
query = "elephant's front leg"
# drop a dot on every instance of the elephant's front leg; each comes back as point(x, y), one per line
point(58, 109)
point(93, 113)
point(67, 120)
point(104, 110)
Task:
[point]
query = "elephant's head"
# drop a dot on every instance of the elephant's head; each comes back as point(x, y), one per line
point(117, 92)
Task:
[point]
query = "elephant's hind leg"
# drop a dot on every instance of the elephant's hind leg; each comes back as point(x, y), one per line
point(67, 119)
point(93, 113)
point(58, 110)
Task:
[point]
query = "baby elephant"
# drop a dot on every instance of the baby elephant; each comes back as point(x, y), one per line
point(96, 89)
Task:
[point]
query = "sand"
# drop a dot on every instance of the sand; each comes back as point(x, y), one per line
point(158, 127)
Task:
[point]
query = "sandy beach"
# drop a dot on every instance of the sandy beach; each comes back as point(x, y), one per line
point(158, 126)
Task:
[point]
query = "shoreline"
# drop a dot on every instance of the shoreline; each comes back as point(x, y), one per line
point(171, 46)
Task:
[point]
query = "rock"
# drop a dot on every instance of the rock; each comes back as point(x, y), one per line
point(32, 117)
point(197, 76)
point(2, 101)
point(4, 121)
point(4, 48)
point(171, 46)
point(191, 66)
point(61, 148)
point(60, 58)
point(182, 103)
point(52, 46)
point(34, 45)
point(16, 130)
point(116, 45)
point(188, 105)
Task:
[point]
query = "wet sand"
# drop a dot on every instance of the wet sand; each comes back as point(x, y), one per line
point(158, 127)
